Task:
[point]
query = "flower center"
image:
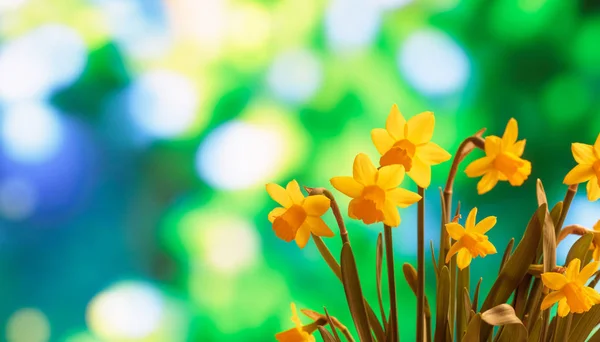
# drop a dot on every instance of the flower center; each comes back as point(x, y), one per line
point(374, 194)
point(576, 298)
point(508, 163)
point(368, 207)
point(472, 241)
point(286, 226)
point(402, 152)
point(596, 168)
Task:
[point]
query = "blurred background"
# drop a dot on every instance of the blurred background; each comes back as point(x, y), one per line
point(136, 137)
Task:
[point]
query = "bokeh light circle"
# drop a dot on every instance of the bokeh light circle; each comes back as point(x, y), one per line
point(18, 198)
point(351, 24)
point(28, 325)
point(433, 63)
point(295, 75)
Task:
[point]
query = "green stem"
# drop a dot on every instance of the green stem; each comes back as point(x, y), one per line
point(389, 253)
point(420, 265)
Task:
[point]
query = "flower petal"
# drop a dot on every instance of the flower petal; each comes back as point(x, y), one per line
point(486, 247)
point(479, 166)
point(318, 226)
point(303, 235)
point(279, 195)
point(579, 174)
point(432, 154)
point(551, 299)
point(593, 189)
point(455, 230)
point(382, 140)
point(583, 154)
point(553, 280)
point(402, 197)
point(563, 307)
point(420, 128)
point(464, 258)
point(592, 294)
point(518, 148)
point(391, 214)
point(316, 205)
point(347, 185)
point(293, 190)
point(492, 145)
point(364, 171)
point(390, 176)
point(275, 213)
point(471, 219)
point(453, 250)
point(587, 272)
point(420, 173)
point(597, 147)
point(487, 182)
point(573, 269)
point(486, 224)
point(510, 133)
point(395, 123)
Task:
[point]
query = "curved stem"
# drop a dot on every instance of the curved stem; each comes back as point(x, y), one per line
point(334, 208)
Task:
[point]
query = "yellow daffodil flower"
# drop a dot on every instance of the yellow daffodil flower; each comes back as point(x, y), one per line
point(502, 161)
point(569, 289)
point(375, 193)
point(407, 143)
point(471, 241)
point(299, 216)
point(588, 168)
point(595, 246)
point(299, 333)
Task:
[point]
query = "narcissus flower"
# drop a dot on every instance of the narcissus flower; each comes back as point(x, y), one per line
point(471, 241)
point(502, 161)
point(588, 168)
point(569, 289)
point(407, 143)
point(299, 216)
point(375, 193)
point(299, 333)
point(595, 246)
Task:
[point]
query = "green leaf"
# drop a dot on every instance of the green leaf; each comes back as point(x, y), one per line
point(583, 324)
point(536, 331)
point(467, 308)
point(332, 325)
point(327, 337)
point(504, 315)
point(410, 274)
point(476, 295)
point(580, 248)
point(435, 266)
point(378, 270)
point(462, 284)
point(473, 329)
point(555, 214)
point(443, 302)
point(506, 254)
point(515, 269)
point(354, 294)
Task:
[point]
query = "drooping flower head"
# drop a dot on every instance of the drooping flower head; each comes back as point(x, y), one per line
point(299, 215)
point(502, 161)
point(587, 169)
point(299, 333)
point(569, 289)
point(595, 246)
point(407, 143)
point(375, 193)
point(471, 240)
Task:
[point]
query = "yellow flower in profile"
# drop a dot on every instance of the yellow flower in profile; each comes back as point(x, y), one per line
point(407, 143)
point(595, 246)
point(502, 161)
point(299, 333)
point(569, 289)
point(588, 168)
point(375, 193)
point(471, 241)
point(299, 216)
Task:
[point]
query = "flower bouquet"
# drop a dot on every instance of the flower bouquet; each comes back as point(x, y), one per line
point(529, 282)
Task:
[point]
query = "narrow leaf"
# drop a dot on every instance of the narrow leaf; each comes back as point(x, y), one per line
point(327, 337)
point(476, 295)
point(435, 266)
point(549, 242)
point(443, 302)
point(580, 249)
point(504, 315)
point(506, 254)
point(378, 270)
point(583, 324)
point(410, 274)
point(462, 284)
point(541, 194)
point(332, 325)
point(467, 307)
point(354, 294)
point(535, 331)
point(473, 329)
point(555, 215)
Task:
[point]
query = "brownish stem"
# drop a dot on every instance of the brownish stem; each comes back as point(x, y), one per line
point(574, 229)
point(389, 254)
point(566, 205)
point(334, 208)
point(420, 265)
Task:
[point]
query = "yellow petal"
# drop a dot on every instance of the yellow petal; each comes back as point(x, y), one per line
point(579, 174)
point(455, 230)
point(593, 190)
point(364, 171)
point(587, 272)
point(597, 147)
point(348, 186)
point(464, 258)
point(596, 254)
point(479, 166)
point(551, 298)
point(486, 224)
point(583, 154)
point(518, 148)
point(573, 269)
point(453, 250)
point(420, 128)
point(597, 226)
point(420, 173)
point(390, 176)
point(402, 197)
point(563, 307)
point(318, 226)
point(391, 214)
point(553, 280)
point(510, 133)
point(316, 205)
point(279, 195)
point(303, 235)
point(471, 219)
point(492, 145)
point(592, 294)
point(293, 190)
point(487, 182)
point(382, 140)
point(275, 213)
point(395, 123)
point(486, 247)
point(432, 154)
